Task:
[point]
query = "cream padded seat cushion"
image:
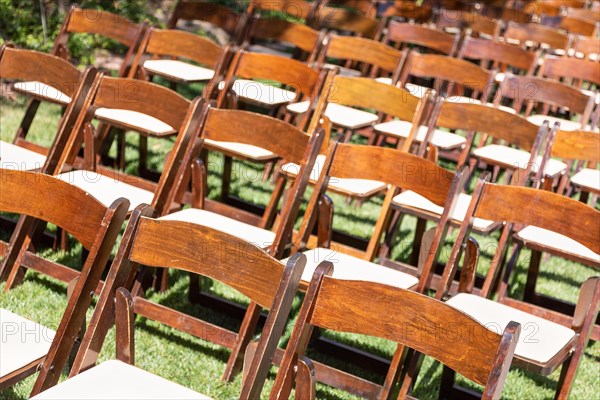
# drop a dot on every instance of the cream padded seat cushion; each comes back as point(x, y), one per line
point(540, 339)
point(442, 139)
point(107, 189)
point(262, 238)
point(43, 91)
point(17, 157)
point(116, 380)
point(346, 117)
point(351, 187)
point(180, 70)
point(561, 243)
point(354, 269)
point(511, 157)
point(587, 178)
point(565, 124)
point(23, 342)
point(241, 150)
point(411, 199)
point(261, 93)
point(135, 120)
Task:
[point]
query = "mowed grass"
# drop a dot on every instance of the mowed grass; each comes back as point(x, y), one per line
point(198, 364)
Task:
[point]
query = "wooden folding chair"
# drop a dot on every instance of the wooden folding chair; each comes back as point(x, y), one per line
point(191, 248)
point(500, 56)
point(588, 14)
point(352, 22)
point(406, 11)
point(582, 74)
point(51, 73)
point(232, 22)
point(451, 76)
point(578, 26)
point(396, 169)
point(579, 150)
point(125, 104)
point(521, 144)
point(535, 36)
point(170, 54)
point(432, 40)
point(368, 7)
point(527, 92)
point(281, 141)
point(298, 81)
point(345, 102)
point(558, 339)
point(415, 321)
point(587, 48)
point(96, 226)
point(297, 10)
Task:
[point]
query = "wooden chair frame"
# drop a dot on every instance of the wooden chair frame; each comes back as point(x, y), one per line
point(35, 195)
point(545, 210)
point(175, 44)
point(346, 20)
point(231, 21)
point(263, 279)
point(290, 9)
point(404, 34)
point(490, 354)
point(539, 34)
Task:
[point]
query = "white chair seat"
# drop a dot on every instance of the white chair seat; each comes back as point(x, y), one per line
point(179, 70)
point(588, 179)
point(384, 79)
point(556, 241)
point(346, 117)
point(262, 238)
point(349, 187)
point(414, 200)
point(260, 93)
point(510, 158)
point(42, 91)
point(441, 139)
point(241, 150)
point(354, 269)
point(540, 339)
point(17, 157)
point(134, 120)
point(22, 342)
point(565, 124)
point(116, 380)
point(107, 189)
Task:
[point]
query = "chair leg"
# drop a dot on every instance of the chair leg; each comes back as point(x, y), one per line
point(20, 241)
point(226, 183)
point(30, 111)
point(567, 374)
point(236, 358)
point(393, 373)
point(386, 248)
point(532, 275)
point(416, 248)
point(143, 162)
point(447, 383)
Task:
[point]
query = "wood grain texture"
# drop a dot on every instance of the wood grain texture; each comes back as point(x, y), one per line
point(144, 97)
point(300, 35)
point(171, 42)
point(504, 203)
point(279, 137)
point(363, 50)
point(577, 145)
point(501, 53)
point(405, 33)
point(69, 207)
point(340, 19)
point(570, 67)
point(29, 65)
point(103, 23)
point(419, 322)
point(216, 14)
point(369, 94)
point(208, 252)
point(393, 167)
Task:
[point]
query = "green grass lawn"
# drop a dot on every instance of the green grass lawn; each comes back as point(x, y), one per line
point(198, 364)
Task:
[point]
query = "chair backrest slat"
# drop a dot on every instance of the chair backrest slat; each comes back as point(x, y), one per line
point(406, 33)
point(208, 252)
point(103, 23)
point(170, 42)
point(505, 203)
point(419, 322)
point(577, 145)
point(363, 50)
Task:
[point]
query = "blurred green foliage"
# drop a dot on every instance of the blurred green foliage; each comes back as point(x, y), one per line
point(22, 23)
